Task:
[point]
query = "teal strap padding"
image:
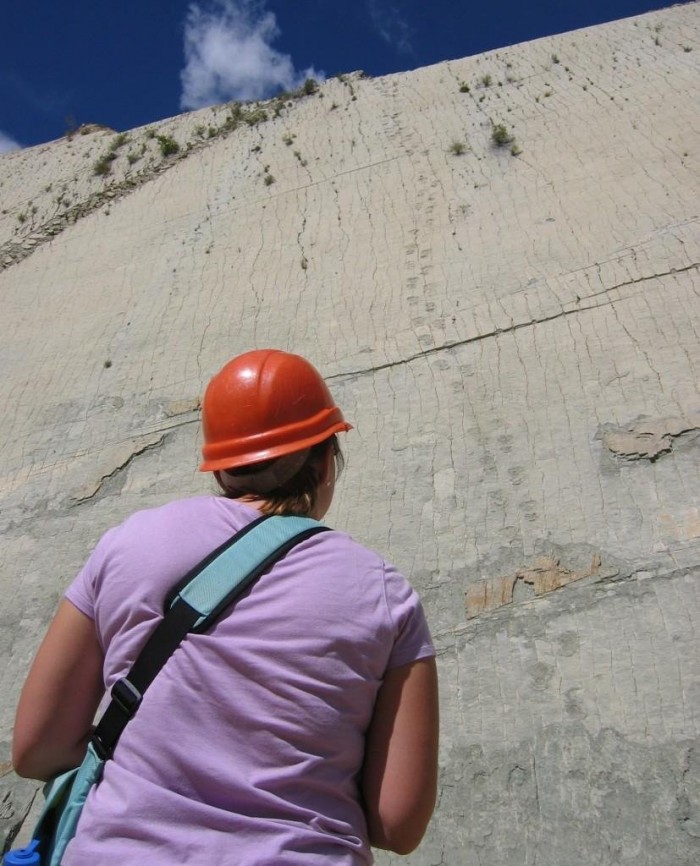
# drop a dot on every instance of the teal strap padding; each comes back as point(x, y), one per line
point(65, 797)
point(208, 589)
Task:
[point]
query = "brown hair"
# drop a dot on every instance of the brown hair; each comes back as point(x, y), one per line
point(296, 496)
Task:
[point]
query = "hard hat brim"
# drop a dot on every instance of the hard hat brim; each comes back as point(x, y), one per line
point(274, 443)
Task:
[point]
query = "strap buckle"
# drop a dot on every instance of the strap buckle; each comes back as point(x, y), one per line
point(126, 696)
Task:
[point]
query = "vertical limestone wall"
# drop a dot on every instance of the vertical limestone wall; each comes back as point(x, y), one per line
point(495, 262)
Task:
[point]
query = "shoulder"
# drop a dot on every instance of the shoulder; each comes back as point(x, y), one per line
point(376, 592)
point(343, 550)
point(186, 513)
point(350, 556)
point(166, 537)
point(177, 509)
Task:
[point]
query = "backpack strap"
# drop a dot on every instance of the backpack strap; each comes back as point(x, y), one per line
point(195, 603)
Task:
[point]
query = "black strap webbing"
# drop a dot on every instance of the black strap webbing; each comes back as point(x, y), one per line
point(128, 692)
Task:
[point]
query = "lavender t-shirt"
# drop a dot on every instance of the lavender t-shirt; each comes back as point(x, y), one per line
point(248, 746)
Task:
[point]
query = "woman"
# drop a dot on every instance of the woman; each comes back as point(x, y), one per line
point(302, 727)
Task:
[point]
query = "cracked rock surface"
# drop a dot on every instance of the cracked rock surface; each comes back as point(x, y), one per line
point(513, 330)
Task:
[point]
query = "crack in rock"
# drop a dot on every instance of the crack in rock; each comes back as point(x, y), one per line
point(133, 449)
point(569, 310)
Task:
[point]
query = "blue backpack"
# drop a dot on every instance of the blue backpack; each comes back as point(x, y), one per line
point(192, 606)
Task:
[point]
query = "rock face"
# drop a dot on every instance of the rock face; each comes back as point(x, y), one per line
point(495, 262)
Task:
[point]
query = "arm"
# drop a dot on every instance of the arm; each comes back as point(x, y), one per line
point(399, 781)
point(60, 697)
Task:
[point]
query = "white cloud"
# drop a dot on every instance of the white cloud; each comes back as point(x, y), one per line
point(389, 24)
point(7, 143)
point(229, 55)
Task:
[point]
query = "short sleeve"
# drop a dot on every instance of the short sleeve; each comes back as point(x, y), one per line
point(413, 640)
point(79, 595)
point(81, 592)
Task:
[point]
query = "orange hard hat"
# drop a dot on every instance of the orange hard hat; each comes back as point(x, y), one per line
point(265, 404)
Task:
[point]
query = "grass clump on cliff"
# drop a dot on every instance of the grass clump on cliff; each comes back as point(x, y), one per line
point(238, 113)
point(168, 145)
point(500, 135)
point(308, 88)
point(255, 116)
point(103, 166)
point(118, 141)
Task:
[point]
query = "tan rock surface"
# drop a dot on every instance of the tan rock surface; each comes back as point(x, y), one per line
point(515, 338)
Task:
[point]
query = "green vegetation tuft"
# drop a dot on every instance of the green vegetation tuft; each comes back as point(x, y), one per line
point(500, 135)
point(119, 141)
point(309, 87)
point(103, 166)
point(168, 145)
point(255, 116)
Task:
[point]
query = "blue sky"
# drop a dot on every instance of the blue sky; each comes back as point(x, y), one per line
point(131, 63)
